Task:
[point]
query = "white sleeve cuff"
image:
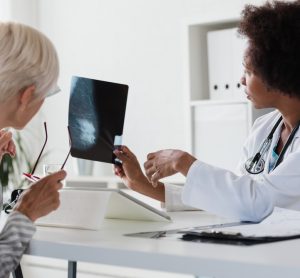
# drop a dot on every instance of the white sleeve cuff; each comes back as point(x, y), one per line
point(173, 198)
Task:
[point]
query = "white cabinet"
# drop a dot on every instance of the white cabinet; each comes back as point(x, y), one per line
point(217, 130)
point(216, 127)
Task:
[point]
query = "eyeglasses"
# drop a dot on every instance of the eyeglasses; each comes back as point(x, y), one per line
point(30, 176)
point(54, 91)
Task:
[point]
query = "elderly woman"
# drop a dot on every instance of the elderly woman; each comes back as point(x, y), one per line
point(269, 172)
point(28, 74)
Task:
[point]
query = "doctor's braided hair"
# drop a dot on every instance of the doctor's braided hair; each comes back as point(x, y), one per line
point(273, 32)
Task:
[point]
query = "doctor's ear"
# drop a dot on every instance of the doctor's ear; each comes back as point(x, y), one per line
point(26, 96)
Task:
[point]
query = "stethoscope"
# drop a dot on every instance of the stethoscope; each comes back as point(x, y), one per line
point(256, 164)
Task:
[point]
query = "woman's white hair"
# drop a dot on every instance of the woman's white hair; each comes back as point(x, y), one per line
point(27, 57)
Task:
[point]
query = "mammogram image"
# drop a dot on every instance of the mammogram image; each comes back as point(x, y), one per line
point(96, 118)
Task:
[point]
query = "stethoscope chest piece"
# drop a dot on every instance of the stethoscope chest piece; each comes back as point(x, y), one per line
point(254, 168)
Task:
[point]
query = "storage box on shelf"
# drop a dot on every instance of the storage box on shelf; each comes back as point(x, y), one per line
point(225, 56)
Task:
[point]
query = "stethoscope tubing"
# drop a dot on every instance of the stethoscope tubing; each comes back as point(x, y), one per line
point(257, 159)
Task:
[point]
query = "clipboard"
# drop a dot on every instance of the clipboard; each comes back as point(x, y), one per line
point(231, 238)
point(281, 224)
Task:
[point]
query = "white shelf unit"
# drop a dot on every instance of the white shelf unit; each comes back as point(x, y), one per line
point(215, 129)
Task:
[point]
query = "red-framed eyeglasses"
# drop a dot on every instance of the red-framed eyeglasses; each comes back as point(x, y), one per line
point(30, 176)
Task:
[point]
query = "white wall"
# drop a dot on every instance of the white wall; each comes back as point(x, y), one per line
point(4, 10)
point(136, 42)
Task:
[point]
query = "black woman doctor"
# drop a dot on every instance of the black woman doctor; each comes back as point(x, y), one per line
point(269, 172)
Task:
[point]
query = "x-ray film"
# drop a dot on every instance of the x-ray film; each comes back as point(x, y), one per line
point(96, 118)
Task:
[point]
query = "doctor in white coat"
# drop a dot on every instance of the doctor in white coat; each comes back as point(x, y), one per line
point(268, 174)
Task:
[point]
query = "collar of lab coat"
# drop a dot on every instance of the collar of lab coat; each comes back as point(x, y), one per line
point(275, 141)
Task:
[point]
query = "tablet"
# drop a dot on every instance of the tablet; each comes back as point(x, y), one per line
point(87, 208)
point(125, 206)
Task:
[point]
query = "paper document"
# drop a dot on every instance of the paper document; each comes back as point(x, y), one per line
point(281, 223)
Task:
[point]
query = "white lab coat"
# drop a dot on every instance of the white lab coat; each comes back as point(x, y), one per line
point(241, 195)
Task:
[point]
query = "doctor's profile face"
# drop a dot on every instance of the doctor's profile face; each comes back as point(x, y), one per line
point(255, 88)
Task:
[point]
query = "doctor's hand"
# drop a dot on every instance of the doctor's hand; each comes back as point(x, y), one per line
point(42, 197)
point(165, 163)
point(7, 145)
point(130, 171)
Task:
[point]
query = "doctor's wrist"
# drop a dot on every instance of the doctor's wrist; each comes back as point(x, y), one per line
point(146, 188)
point(157, 193)
point(183, 163)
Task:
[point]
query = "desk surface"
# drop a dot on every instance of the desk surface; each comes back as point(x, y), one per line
point(109, 246)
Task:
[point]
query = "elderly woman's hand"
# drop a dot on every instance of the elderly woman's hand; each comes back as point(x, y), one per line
point(42, 197)
point(7, 145)
point(165, 163)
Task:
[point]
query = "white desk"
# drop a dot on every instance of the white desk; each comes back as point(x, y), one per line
point(109, 246)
